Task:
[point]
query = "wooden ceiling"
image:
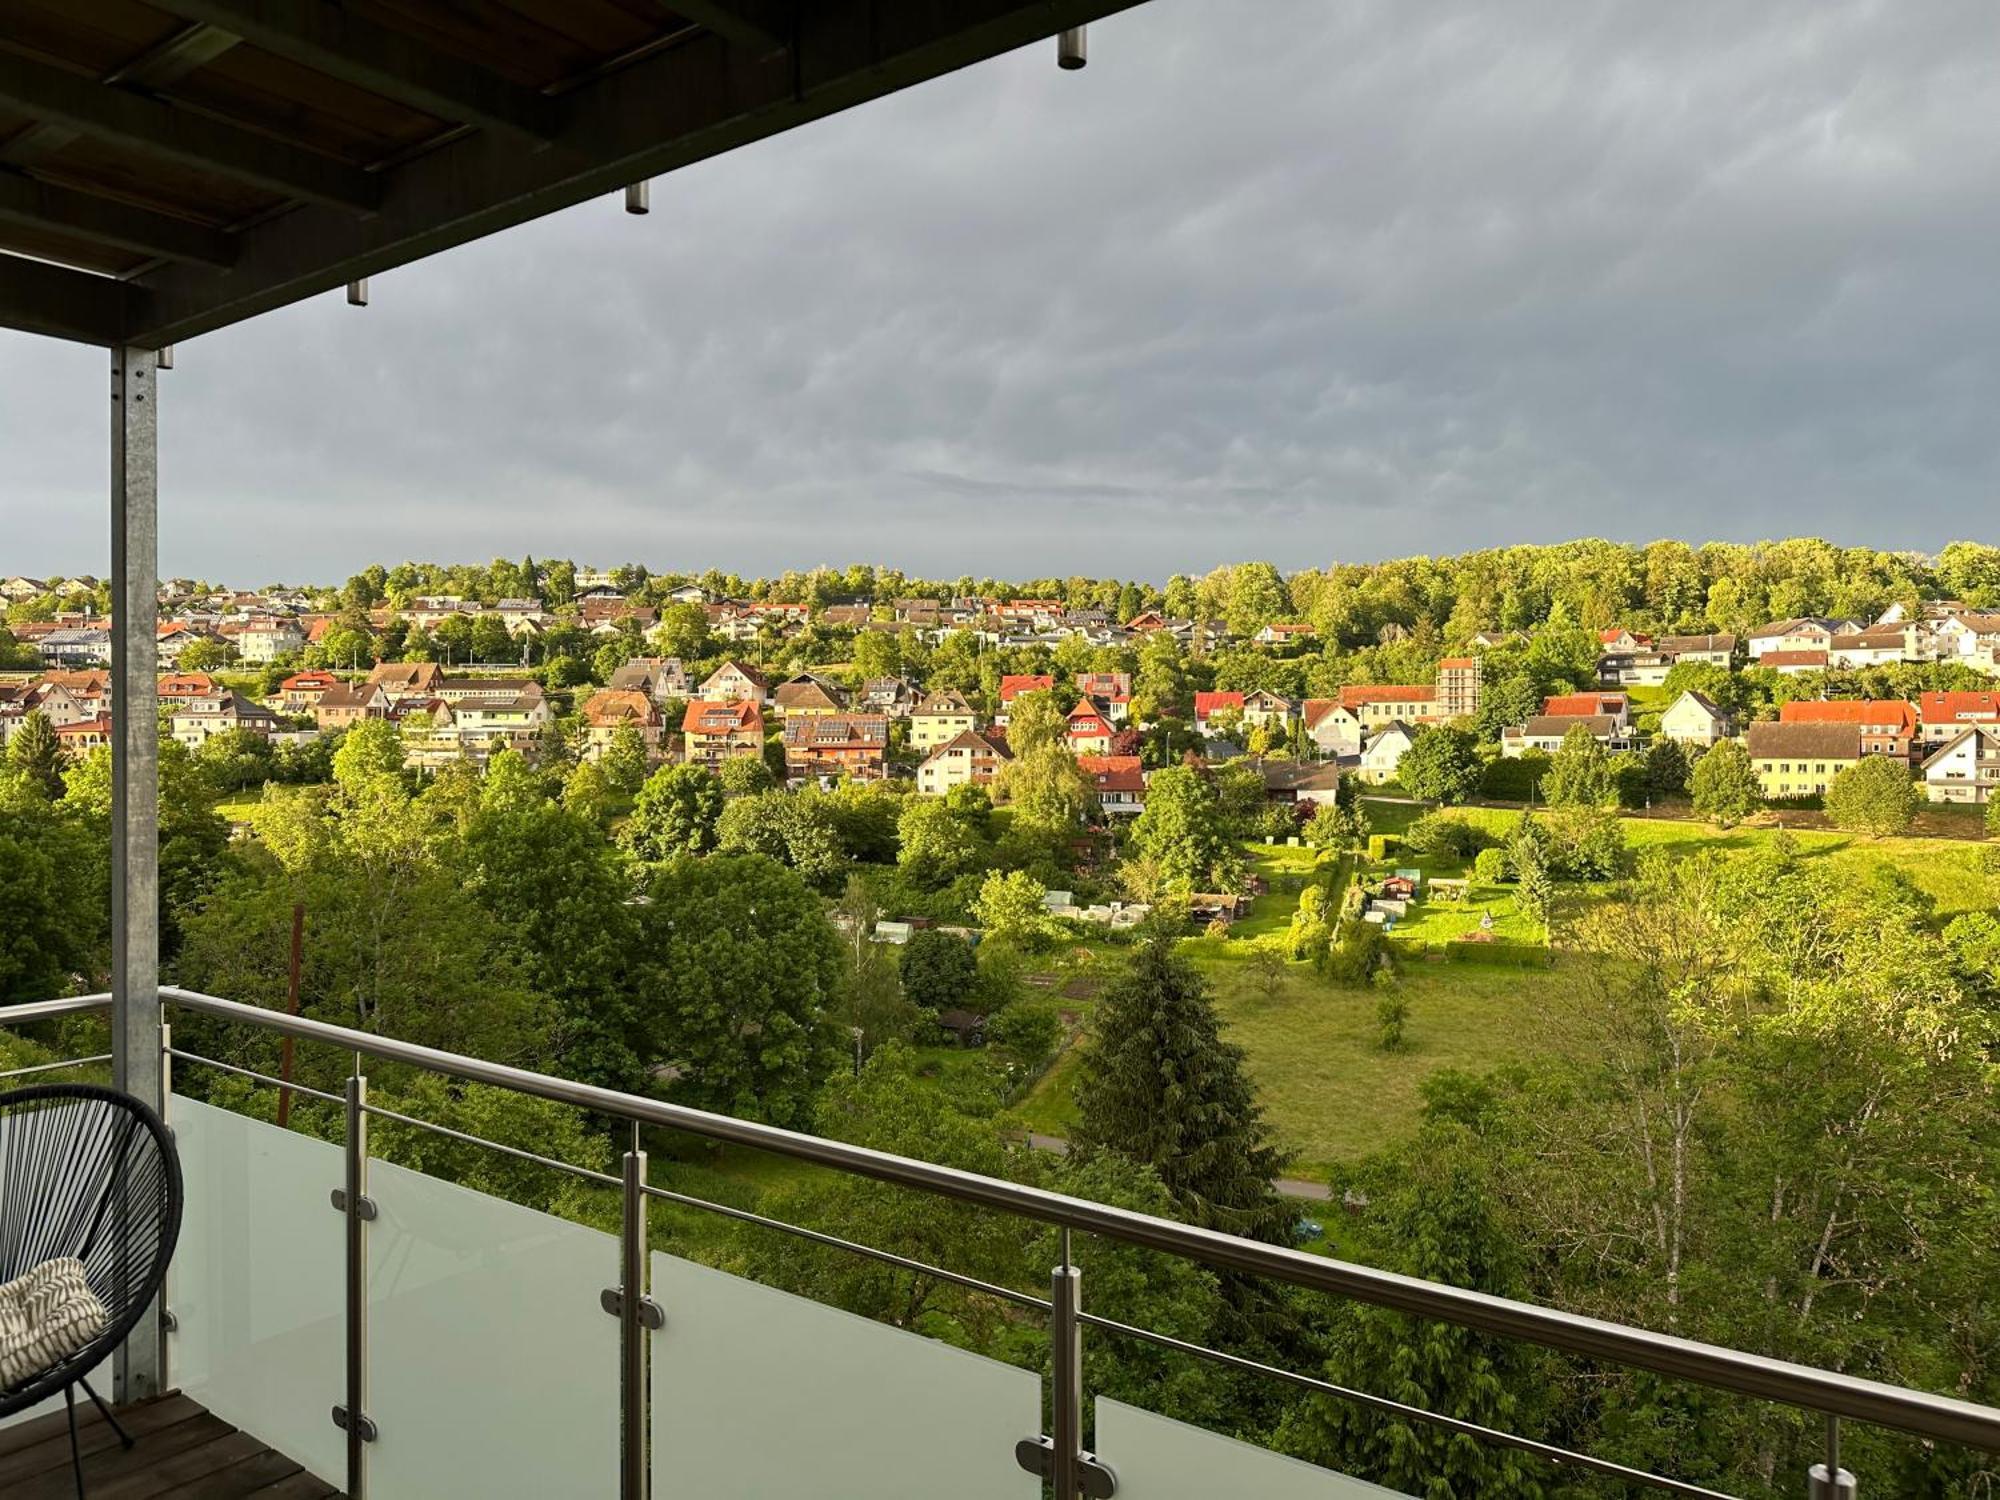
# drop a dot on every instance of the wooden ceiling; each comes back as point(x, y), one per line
point(173, 166)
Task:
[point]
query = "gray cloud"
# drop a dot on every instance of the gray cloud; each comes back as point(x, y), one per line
point(1286, 280)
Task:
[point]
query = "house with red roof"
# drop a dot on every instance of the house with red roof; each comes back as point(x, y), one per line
point(717, 730)
point(1942, 717)
point(300, 692)
point(1120, 783)
point(1617, 706)
point(1209, 706)
point(1015, 684)
point(1089, 732)
point(1110, 691)
point(1621, 639)
point(1333, 729)
point(1888, 725)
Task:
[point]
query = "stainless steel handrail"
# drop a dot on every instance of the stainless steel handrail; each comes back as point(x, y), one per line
point(1942, 1418)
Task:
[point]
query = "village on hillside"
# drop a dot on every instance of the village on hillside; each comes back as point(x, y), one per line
point(463, 677)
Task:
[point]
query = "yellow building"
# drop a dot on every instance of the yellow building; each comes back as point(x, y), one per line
point(1801, 760)
point(940, 719)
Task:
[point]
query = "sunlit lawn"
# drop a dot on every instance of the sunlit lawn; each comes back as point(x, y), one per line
point(1331, 1092)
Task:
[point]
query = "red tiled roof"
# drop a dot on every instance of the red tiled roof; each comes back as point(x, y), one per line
point(1457, 663)
point(710, 716)
point(1212, 703)
point(1792, 659)
point(1958, 708)
point(1582, 705)
point(1113, 773)
point(1012, 687)
point(1894, 713)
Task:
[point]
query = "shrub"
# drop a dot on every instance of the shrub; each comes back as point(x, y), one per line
point(1027, 1033)
point(1490, 867)
point(1441, 833)
point(1392, 1012)
point(1382, 845)
point(1357, 953)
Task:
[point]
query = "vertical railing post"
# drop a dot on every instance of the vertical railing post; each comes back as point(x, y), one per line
point(135, 770)
point(1829, 1481)
point(634, 1316)
point(1066, 1377)
point(357, 1208)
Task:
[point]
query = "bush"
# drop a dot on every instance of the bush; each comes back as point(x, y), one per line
point(1490, 867)
point(1514, 780)
point(1382, 845)
point(1027, 1033)
point(1357, 953)
point(938, 970)
point(1392, 1012)
point(1441, 833)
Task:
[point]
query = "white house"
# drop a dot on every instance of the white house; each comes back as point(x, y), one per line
point(1384, 753)
point(1692, 719)
point(1967, 769)
point(1332, 727)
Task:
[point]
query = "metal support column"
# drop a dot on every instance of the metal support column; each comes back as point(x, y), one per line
point(637, 1315)
point(135, 781)
point(1829, 1481)
point(1066, 1378)
point(352, 1200)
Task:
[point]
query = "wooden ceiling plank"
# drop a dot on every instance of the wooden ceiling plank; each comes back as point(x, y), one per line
point(355, 50)
point(150, 127)
point(26, 200)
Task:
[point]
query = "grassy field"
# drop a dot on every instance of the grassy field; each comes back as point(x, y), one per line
point(1332, 1093)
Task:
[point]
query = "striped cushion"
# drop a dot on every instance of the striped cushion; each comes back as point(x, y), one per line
point(46, 1316)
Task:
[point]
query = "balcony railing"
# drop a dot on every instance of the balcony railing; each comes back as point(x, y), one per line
point(401, 1335)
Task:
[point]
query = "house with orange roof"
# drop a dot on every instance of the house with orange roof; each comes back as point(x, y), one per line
point(1120, 783)
point(1378, 705)
point(715, 730)
point(1617, 706)
point(968, 759)
point(300, 692)
point(1888, 725)
point(1942, 717)
point(1017, 683)
point(1334, 730)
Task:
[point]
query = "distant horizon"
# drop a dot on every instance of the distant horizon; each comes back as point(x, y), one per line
point(1927, 555)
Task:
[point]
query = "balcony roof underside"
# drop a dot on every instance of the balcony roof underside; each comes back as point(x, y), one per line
point(171, 167)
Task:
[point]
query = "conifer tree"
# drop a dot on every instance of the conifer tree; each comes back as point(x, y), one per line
point(1162, 1087)
point(36, 755)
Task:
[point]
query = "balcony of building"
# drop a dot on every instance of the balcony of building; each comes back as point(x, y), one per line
point(492, 1349)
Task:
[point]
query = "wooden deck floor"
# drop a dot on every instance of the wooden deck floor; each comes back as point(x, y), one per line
point(181, 1452)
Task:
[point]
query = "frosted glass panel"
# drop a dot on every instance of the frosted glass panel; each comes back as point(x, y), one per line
point(760, 1395)
point(1158, 1459)
point(256, 1283)
point(493, 1370)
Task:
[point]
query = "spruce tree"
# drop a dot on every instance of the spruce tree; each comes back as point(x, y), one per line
point(37, 756)
point(1161, 1087)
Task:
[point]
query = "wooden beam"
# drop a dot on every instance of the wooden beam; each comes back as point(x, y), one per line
point(156, 128)
point(679, 106)
point(765, 25)
point(37, 297)
point(106, 221)
point(330, 39)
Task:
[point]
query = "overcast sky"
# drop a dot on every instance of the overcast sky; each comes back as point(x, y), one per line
point(1294, 280)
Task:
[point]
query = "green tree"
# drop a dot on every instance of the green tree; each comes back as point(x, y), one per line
point(1876, 796)
point(1723, 784)
point(1028, 1033)
point(796, 828)
point(738, 969)
point(1185, 831)
point(52, 908)
point(1160, 1086)
point(935, 843)
point(624, 761)
point(938, 970)
point(1034, 720)
point(1009, 907)
point(1048, 792)
point(1432, 1217)
point(35, 755)
point(1441, 765)
point(1580, 773)
point(676, 812)
point(745, 776)
point(206, 655)
point(1993, 817)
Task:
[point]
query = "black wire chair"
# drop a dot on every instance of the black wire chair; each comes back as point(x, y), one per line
point(86, 1172)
